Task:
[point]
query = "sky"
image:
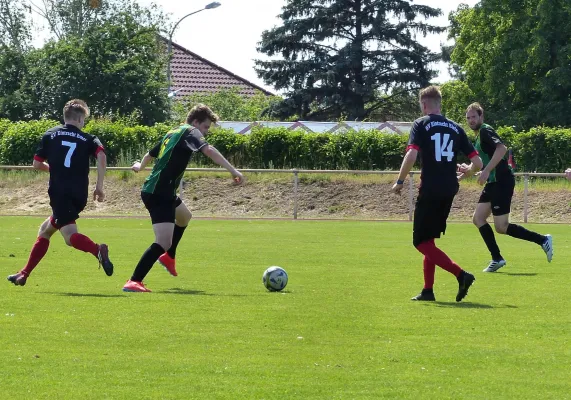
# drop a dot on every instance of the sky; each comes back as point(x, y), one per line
point(228, 35)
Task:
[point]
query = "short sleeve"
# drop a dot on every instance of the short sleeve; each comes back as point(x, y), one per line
point(96, 146)
point(490, 137)
point(195, 140)
point(154, 152)
point(41, 154)
point(414, 139)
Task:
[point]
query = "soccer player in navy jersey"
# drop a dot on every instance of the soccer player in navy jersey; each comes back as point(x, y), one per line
point(438, 140)
point(68, 150)
point(497, 194)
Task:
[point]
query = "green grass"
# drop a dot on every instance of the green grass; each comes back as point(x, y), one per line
point(343, 329)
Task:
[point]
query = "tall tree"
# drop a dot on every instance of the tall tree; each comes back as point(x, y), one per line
point(514, 56)
point(14, 24)
point(338, 55)
point(118, 67)
point(76, 17)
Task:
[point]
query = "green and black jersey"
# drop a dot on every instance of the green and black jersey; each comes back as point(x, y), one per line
point(486, 143)
point(172, 155)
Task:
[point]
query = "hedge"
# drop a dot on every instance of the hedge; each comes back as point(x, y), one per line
point(540, 149)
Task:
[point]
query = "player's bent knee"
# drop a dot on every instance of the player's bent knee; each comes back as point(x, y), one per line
point(501, 229)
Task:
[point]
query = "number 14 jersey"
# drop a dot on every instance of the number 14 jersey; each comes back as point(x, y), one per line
point(438, 141)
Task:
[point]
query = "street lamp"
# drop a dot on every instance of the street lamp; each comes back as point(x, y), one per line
point(169, 49)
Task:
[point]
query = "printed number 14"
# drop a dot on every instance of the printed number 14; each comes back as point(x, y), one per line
point(443, 146)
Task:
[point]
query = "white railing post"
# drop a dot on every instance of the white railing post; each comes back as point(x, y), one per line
point(410, 196)
point(295, 187)
point(525, 190)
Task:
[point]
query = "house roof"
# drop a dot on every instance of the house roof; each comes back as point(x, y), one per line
point(191, 73)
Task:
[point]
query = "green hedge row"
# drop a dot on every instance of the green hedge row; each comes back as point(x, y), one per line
point(540, 149)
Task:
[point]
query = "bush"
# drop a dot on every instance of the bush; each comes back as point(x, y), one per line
point(20, 141)
point(541, 149)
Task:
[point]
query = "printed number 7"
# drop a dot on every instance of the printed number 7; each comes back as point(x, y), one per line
point(72, 147)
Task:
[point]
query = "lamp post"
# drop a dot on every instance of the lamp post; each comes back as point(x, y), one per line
point(169, 49)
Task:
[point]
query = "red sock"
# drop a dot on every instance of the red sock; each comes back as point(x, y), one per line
point(83, 243)
point(439, 257)
point(429, 269)
point(39, 250)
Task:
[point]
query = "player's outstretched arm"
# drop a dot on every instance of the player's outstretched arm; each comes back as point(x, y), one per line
point(139, 166)
point(98, 193)
point(407, 164)
point(41, 165)
point(213, 153)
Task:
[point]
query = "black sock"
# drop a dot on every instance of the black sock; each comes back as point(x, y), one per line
point(519, 232)
point(490, 240)
point(150, 256)
point(176, 236)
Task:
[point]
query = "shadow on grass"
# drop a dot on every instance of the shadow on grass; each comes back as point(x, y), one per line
point(467, 305)
point(184, 291)
point(518, 274)
point(69, 294)
point(189, 292)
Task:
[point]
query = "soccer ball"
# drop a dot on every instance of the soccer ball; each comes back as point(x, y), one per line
point(274, 279)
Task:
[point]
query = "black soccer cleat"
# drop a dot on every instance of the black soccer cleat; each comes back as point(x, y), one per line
point(18, 279)
point(104, 261)
point(425, 295)
point(465, 280)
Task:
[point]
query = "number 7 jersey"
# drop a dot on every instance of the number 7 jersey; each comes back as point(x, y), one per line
point(68, 150)
point(439, 140)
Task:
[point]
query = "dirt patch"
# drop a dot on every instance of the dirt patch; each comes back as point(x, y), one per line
point(336, 199)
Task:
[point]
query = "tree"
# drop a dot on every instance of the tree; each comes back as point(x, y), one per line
point(338, 55)
point(229, 104)
point(514, 56)
point(118, 67)
point(456, 96)
point(14, 26)
point(77, 17)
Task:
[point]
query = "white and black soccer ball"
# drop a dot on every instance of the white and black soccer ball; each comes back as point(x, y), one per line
point(274, 279)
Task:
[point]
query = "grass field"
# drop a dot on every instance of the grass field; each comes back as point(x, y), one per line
point(343, 329)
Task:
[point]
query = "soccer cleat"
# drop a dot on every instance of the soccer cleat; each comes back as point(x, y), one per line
point(465, 280)
point(18, 279)
point(134, 286)
point(168, 262)
point(425, 295)
point(547, 246)
point(495, 265)
point(104, 261)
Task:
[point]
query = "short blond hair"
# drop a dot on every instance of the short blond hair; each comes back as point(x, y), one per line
point(431, 93)
point(201, 113)
point(75, 109)
point(475, 107)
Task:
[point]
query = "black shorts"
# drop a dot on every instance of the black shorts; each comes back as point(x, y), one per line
point(161, 208)
point(499, 194)
point(66, 207)
point(430, 215)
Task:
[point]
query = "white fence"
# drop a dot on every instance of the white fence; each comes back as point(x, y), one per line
point(395, 127)
point(296, 172)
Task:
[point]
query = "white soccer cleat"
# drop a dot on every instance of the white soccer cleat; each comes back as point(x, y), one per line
point(495, 265)
point(547, 246)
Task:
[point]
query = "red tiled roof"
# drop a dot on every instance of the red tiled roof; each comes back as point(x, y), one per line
point(193, 74)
